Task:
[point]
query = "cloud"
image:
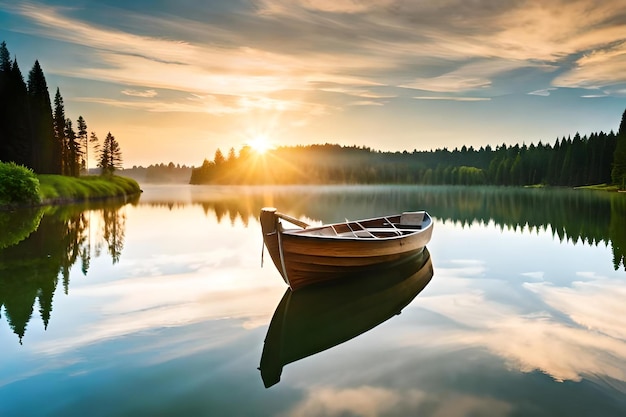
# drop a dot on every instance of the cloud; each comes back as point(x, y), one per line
point(591, 344)
point(371, 401)
point(140, 93)
point(366, 103)
point(448, 83)
point(211, 104)
point(596, 305)
point(543, 92)
point(306, 47)
point(594, 96)
point(597, 69)
point(452, 98)
point(364, 401)
point(331, 6)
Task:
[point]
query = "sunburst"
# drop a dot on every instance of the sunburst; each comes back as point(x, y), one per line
point(260, 144)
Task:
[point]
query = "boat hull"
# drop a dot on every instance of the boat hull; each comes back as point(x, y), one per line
point(307, 259)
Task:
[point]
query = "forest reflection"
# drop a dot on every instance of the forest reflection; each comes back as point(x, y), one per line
point(570, 215)
point(41, 248)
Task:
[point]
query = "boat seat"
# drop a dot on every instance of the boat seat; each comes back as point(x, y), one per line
point(387, 230)
point(326, 231)
point(412, 219)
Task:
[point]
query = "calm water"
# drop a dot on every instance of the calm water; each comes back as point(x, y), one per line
point(160, 308)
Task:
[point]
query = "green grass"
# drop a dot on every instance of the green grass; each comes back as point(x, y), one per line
point(57, 187)
point(20, 187)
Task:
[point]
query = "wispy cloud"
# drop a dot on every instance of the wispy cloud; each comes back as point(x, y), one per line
point(543, 92)
point(452, 98)
point(597, 69)
point(140, 93)
point(591, 344)
point(211, 104)
point(370, 401)
point(364, 42)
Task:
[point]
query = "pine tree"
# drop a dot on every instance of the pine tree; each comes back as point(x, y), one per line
point(232, 156)
point(115, 155)
point(6, 131)
point(219, 157)
point(103, 161)
point(73, 150)
point(82, 138)
point(14, 113)
point(94, 144)
point(110, 155)
point(60, 148)
point(618, 174)
point(42, 138)
point(5, 58)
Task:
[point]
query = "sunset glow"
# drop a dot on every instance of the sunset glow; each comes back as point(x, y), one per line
point(176, 82)
point(260, 144)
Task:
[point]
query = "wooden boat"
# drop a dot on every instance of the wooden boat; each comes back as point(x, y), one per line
point(318, 318)
point(309, 255)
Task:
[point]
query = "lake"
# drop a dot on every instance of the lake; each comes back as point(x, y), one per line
point(160, 307)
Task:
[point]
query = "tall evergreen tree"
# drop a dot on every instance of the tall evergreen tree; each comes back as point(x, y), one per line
point(14, 112)
point(82, 138)
point(42, 138)
point(103, 160)
point(94, 144)
point(20, 113)
point(73, 150)
point(5, 103)
point(115, 154)
point(60, 147)
point(110, 155)
point(219, 157)
point(5, 57)
point(618, 174)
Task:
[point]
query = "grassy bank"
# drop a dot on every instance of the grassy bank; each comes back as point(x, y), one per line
point(20, 187)
point(57, 188)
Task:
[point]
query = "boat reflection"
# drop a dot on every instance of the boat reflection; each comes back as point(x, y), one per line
point(317, 318)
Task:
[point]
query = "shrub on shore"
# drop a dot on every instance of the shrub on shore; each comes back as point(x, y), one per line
point(18, 185)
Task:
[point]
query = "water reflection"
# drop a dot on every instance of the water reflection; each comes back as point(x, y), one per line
point(577, 215)
point(314, 319)
point(41, 247)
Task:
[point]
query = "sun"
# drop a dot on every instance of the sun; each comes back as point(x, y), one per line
point(260, 144)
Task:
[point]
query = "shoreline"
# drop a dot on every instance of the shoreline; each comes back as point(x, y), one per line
point(60, 190)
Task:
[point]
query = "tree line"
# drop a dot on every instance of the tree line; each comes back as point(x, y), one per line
point(35, 135)
point(159, 173)
point(599, 158)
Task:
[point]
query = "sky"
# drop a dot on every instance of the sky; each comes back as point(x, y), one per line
point(175, 80)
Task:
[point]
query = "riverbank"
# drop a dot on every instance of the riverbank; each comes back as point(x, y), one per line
point(20, 187)
point(57, 189)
